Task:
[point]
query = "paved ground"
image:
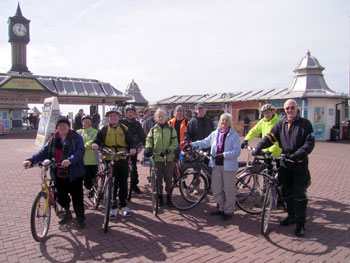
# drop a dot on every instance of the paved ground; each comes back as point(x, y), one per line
point(176, 236)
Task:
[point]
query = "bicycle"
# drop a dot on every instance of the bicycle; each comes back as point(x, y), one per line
point(103, 186)
point(193, 179)
point(251, 185)
point(190, 188)
point(40, 215)
point(154, 183)
point(273, 188)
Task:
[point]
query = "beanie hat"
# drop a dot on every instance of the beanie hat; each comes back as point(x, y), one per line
point(62, 119)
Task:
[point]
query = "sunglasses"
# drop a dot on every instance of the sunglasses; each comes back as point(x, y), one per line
point(290, 108)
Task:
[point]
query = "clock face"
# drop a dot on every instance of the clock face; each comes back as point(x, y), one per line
point(19, 30)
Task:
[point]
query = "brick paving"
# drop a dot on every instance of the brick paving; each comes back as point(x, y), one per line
point(175, 236)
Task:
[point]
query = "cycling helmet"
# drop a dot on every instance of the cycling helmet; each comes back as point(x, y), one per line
point(113, 110)
point(130, 107)
point(86, 117)
point(267, 107)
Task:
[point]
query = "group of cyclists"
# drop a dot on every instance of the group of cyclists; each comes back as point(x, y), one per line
point(77, 151)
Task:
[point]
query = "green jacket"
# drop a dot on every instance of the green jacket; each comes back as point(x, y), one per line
point(89, 136)
point(160, 139)
point(263, 127)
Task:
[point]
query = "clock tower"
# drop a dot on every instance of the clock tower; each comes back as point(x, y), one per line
point(19, 38)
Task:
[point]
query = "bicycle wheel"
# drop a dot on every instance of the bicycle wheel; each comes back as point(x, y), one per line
point(155, 192)
point(250, 192)
point(40, 216)
point(267, 209)
point(189, 190)
point(97, 187)
point(129, 183)
point(108, 201)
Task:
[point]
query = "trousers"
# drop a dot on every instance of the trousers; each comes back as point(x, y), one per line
point(223, 185)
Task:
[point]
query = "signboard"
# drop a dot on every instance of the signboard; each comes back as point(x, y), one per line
point(320, 131)
point(22, 83)
point(2, 127)
point(51, 111)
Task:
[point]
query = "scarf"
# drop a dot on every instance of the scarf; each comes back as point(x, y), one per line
point(59, 152)
point(221, 140)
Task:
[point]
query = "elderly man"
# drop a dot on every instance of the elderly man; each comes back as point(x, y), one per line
point(199, 127)
point(296, 138)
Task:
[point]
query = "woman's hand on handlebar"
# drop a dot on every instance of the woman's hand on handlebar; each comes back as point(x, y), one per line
point(27, 164)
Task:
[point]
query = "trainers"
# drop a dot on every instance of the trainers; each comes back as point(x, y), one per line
point(113, 214)
point(288, 221)
point(81, 224)
point(216, 213)
point(126, 211)
point(136, 190)
point(226, 217)
point(66, 218)
point(300, 230)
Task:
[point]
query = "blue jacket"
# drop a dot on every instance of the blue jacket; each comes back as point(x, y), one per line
point(75, 153)
point(232, 148)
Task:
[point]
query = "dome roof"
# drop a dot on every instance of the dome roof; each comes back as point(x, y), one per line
point(309, 62)
point(133, 87)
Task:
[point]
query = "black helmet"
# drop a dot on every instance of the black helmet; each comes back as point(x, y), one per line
point(113, 110)
point(267, 107)
point(130, 107)
point(86, 117)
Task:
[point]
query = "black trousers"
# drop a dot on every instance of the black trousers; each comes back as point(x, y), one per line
point(134, 174)
point(74, 189)
point(90, 174)
point(295, 180)
point(120, 172)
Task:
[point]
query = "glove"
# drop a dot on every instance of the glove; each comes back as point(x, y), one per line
point(256, 152)
point(244, 144)
point(147, 152)
point(293, 157)
point(166, 152)
point(187, 146)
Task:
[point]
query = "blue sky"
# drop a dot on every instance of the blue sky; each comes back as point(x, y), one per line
point(186, 46)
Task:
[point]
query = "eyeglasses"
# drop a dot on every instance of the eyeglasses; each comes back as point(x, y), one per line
point(290, 108)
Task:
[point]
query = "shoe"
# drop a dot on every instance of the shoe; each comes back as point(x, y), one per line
point(81, 224)
point(168, 201)
point(300, 230)
point(136, 190)
point(91, 193)
point(226, 217)
point(126, 211)
point(288, 221)
point(216, 213)
point(66, 218)
point(160, 201)
point(113, 214)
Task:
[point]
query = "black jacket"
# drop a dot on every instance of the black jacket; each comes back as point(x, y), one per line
point(294, 138)
point(198, 129)
point(136, 131)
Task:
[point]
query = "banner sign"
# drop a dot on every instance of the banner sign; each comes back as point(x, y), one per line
point(48, 119)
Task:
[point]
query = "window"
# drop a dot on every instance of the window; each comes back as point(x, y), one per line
point(252, 114)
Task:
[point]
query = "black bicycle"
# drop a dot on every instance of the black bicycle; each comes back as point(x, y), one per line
point(193, 181)
point(103, 186)
point(154, 184)
point(273, 193)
